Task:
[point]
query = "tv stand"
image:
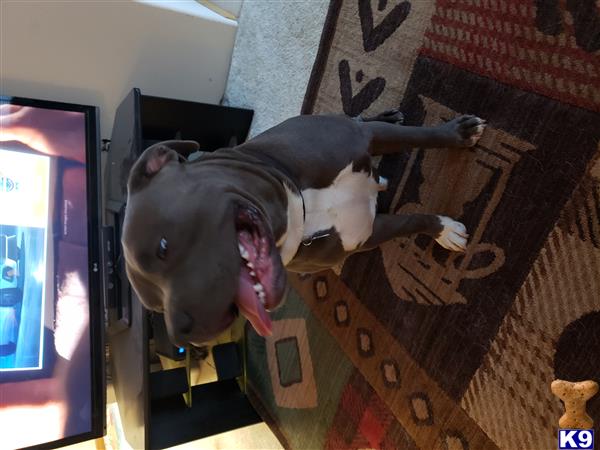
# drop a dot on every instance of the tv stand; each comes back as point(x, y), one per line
point(153, 411)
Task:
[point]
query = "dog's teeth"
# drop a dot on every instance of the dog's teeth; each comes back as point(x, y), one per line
point(252, 273)
point(250, 265)
point(262, 297)
point(258, 287)
point(243, 252)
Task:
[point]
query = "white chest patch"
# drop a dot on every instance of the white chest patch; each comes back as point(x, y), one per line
point(348, 205)
point(290, 240)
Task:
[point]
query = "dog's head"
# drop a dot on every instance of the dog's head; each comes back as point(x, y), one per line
point(198, 246)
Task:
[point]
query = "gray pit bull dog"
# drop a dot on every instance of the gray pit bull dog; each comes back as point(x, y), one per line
point(208, 239)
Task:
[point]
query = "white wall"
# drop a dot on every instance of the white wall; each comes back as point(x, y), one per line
point(94, 52)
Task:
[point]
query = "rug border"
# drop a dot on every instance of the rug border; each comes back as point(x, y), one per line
point(317, 72)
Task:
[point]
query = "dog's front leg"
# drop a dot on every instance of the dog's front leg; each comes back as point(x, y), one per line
point(464, 131)
point(449, 233)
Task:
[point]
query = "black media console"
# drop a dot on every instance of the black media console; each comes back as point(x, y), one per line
point(153, 411)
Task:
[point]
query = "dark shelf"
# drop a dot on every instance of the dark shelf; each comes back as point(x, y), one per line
point(152, 409)
point(216, 408)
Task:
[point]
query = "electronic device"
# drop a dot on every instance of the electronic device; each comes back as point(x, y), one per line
point(52, 388)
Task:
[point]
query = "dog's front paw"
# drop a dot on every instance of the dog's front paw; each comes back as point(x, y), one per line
point(464, 131)
point(453, 235)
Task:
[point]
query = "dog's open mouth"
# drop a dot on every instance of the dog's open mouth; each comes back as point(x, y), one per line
point(258, 290)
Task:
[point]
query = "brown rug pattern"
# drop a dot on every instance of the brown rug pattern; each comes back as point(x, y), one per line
point(454, 351)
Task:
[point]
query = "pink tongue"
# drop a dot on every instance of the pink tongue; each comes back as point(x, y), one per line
point(249, 305)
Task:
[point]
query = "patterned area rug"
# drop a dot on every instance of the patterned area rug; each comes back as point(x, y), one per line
point(410, 346)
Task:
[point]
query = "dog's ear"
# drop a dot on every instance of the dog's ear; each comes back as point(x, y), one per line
point(155, 158)
point(157, 155)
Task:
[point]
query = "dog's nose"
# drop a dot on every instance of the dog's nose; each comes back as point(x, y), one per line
point(181, 326)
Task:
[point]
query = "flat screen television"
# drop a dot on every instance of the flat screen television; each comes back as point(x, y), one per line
point(52, 388)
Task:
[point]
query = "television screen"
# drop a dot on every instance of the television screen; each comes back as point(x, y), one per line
point(51, 371)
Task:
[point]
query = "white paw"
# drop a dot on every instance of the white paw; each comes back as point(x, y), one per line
point(478, 132)
point(382, 184)
point(453, 236)
point(471, 129)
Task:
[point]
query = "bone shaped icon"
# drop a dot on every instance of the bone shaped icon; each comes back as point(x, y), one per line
point(575, 396)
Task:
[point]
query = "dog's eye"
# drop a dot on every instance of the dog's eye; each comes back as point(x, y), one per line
point(161, 252)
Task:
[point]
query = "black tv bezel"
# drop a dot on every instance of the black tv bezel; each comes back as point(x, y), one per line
point(95, 273)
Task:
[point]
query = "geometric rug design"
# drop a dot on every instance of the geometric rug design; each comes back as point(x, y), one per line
point(412, 346)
